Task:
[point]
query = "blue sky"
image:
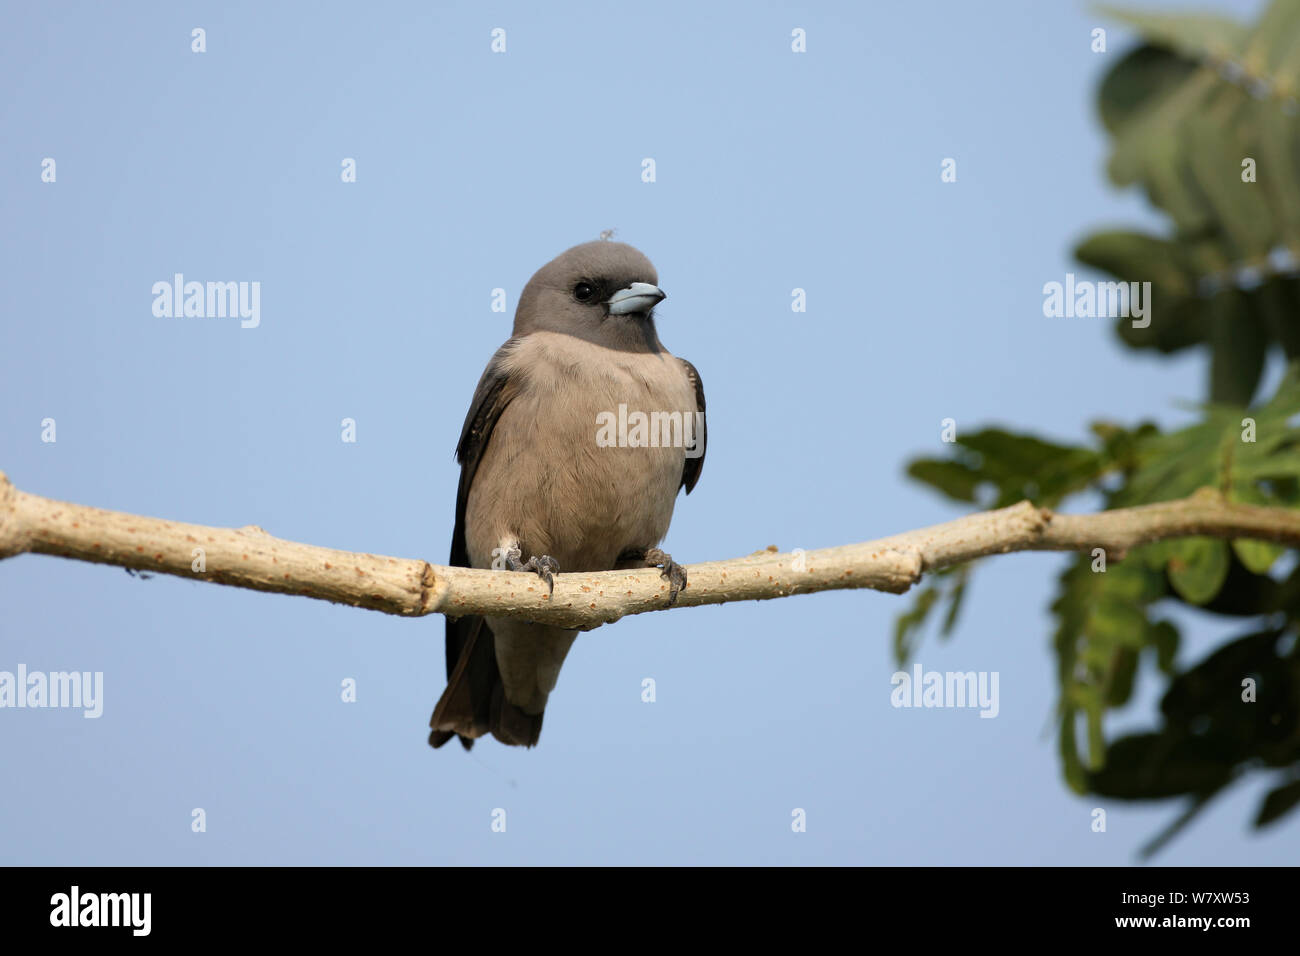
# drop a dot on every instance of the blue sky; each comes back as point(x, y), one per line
point(774, 170)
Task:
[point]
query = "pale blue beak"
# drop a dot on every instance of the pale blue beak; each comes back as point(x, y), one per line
point(638, 297)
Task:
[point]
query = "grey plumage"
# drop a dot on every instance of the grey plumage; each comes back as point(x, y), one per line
point(535, 479)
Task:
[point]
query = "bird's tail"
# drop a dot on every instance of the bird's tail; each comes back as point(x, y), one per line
point(474, 702)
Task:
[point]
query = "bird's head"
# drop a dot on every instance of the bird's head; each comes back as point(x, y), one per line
point(604, 292)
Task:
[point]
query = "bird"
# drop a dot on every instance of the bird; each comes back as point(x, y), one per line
point(543, 490)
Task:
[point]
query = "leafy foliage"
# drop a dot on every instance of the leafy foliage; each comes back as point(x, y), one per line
point(1186, 112)
point(1109, 616)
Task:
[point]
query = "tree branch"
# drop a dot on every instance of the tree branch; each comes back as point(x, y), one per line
point(248, 557)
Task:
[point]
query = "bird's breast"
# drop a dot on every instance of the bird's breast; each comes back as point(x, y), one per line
point(586, 461)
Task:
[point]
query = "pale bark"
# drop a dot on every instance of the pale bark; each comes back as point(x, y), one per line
point(248, 557)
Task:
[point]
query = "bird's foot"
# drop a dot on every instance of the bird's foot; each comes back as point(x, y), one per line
point(545, 566)
point(674, 572)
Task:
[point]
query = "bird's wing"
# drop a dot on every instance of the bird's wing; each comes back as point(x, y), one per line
point(693, 467)
point(495, 390)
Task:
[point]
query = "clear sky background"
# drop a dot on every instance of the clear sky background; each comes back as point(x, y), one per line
point(775, 171)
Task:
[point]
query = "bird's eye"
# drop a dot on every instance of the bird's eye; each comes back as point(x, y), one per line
point(583, 291)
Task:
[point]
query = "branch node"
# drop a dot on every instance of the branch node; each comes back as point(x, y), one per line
point(433, 590)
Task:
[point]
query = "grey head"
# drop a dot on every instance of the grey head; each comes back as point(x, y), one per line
point(603, 292)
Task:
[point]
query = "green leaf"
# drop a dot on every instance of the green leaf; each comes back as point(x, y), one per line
point(1138, 257)
point(1241, 209)
point(1284, 465)
point(1075, 775)
point(1240, 342)
point(1164, 637)
point(1120, 685)
point(1116, 622)
point(1192, 36)
point(1197, 568)
point(1278, 803)
point(908, 625)
point(1096, 737)
point(1257, 556)
point(1146, 73)
point(955, 596)
point(1157, 766)
point(955, 480)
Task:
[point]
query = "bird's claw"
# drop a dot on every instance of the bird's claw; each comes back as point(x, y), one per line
point(545, 566)
point(672, 571)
